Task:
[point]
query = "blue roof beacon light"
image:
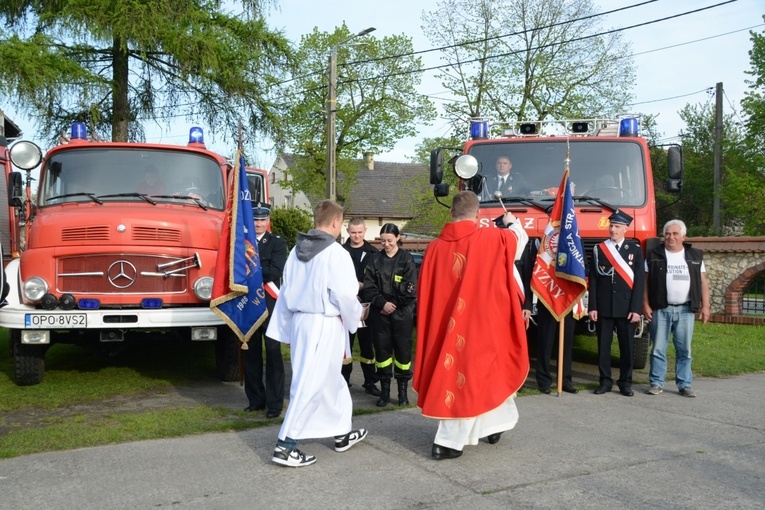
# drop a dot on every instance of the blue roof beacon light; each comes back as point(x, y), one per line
point(196, 135)
point(79, 131)
point(628, 127)
point(479, 130)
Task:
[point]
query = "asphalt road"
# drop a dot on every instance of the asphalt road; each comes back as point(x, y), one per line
point(575, 451)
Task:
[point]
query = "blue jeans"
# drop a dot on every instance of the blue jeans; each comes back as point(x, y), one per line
point(677, 320)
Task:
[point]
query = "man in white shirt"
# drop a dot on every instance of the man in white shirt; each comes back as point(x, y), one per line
point(676, 290)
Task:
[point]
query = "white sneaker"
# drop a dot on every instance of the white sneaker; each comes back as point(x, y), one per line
point(292, 458)
point(342, 443)
point(655, 390)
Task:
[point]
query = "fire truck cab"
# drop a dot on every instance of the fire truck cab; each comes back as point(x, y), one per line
point(119, 240)
point(610, 168)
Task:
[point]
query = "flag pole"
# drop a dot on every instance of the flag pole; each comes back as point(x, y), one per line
point(561, 336)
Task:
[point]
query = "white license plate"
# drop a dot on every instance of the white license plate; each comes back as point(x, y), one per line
point(55, 320)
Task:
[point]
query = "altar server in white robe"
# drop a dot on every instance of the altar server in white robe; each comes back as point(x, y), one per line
point(316, 309)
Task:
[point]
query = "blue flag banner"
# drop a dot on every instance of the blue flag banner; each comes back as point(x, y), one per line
point(570, 262)
point(238, 296)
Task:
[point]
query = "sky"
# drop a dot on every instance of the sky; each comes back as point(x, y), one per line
point(678, 61)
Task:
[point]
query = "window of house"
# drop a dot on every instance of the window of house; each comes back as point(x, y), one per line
point(753, 297)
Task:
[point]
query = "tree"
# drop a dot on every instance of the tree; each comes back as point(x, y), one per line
point(116, 64)
point(288, 221)
point(529, 60)
point(738, 204)
point(376, 106)
point(429, 215)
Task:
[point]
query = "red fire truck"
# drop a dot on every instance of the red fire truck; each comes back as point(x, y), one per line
point(610, 167)
point(118, 242)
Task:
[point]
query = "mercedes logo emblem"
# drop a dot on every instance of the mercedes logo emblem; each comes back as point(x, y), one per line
point(122, 274)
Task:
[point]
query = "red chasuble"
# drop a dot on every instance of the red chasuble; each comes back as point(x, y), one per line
point(471, 340)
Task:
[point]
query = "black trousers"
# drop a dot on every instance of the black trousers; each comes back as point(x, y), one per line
point(547, 338)
point(392, 338)
point(367, 353)
point(270, 395)
point(625, 333)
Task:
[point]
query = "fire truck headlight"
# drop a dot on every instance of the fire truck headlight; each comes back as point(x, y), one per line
point(35, 288)
point(466, 166)
point(26, 155)
point(203, 288)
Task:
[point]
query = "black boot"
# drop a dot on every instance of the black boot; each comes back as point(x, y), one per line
point(384, 393)
point(403, 399)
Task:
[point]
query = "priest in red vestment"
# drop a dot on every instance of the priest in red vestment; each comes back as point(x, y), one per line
point(471, 341)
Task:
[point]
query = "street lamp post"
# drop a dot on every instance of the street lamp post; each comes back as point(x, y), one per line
point(331, 190)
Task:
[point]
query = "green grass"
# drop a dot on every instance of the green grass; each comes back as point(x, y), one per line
point(75, 376)
point(718, 350)
point(83, 431)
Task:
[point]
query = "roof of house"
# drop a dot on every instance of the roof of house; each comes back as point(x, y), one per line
point(379, 192)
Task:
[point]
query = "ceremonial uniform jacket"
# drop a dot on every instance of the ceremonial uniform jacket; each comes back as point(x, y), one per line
point(610, 295)
point(272, 250)
point(515, 185)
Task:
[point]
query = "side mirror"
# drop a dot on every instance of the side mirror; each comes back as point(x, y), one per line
point(437, 167)
point(441, 189)
point(674, 183)
point(15, 189)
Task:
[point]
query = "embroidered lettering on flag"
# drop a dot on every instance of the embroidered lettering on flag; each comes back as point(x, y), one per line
point(558, 277)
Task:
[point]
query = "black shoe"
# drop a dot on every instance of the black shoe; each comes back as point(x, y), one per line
point(626, 391)
point(546, 391)
point(250, 409)
point(372, 389)
point(600, 390)
point(494, 438)
point(442, 452)
point(273, 413)
point(569, 388)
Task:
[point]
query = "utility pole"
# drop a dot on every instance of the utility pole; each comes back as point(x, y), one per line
point(718, 158)
point(331, 191)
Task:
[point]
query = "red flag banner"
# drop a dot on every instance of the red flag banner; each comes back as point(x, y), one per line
point(558, 277)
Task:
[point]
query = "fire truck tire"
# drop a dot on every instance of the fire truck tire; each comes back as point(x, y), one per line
point(640, 350)
point(28, 361)
point(227, 355)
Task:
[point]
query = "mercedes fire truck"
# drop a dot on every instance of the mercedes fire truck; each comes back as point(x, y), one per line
point(118, 242)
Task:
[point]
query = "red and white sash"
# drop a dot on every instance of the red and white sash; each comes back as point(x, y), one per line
point(272, 289)
point(618, 263)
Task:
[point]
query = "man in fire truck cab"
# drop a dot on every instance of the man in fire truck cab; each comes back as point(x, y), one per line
point(151, 183)
point(506, 183)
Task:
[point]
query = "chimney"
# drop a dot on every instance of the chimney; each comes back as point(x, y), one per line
point(369, 160)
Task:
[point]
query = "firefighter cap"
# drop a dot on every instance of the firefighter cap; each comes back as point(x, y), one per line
point(620, 217)
point(261, 211)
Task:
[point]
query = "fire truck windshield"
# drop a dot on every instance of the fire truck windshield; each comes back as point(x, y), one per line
point(102, 175)
point(612, 171)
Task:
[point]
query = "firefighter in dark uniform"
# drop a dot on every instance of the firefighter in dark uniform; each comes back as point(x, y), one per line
point(272, 250)
point(616, 282)
point(361, 252)
point(546, 327)
point(390, 287)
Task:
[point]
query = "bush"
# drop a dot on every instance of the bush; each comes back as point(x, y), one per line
point(288, 221)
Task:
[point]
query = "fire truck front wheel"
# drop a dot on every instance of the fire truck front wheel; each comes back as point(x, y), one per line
point(28, 360)
point(641, 350)
point(227, 355)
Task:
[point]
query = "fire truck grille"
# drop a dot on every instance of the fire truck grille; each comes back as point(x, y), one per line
point(92, 233)
point(166, 235)
point(119, 274)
